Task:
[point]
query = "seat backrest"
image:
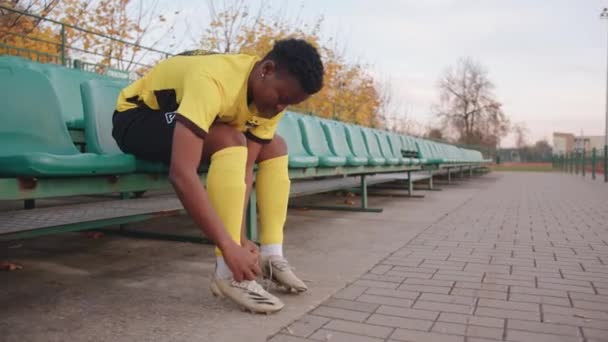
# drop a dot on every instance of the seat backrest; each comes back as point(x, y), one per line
point(354, 136)
point(423, 151)
point(408, 143)
point(396, 144)
point(98, 101)
point(289, 129)
point(14, 61)
point(30, 114)
point(67, 86)
point(384, 144)
point(371, 140)
point(313, 137)
point(336, 137)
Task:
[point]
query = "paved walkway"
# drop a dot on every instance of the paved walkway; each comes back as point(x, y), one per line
point(525, 259)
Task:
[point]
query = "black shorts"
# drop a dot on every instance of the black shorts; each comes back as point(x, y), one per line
point(145, 133)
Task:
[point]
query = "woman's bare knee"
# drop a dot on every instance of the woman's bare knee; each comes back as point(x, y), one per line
point(275, 148)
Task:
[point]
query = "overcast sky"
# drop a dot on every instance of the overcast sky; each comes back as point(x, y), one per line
point(547, 58)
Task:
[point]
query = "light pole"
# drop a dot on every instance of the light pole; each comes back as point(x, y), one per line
point(604, 15)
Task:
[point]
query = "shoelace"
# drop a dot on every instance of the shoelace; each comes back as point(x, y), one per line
point(249, 285)
point(280, 263)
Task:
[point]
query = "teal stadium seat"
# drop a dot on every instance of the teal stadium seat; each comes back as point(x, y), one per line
point(338, 143)
point(316, 143)
point(396, 145)
point(385, 148)
point(99, 100)
point(354, 135)
point(298, 156)
point(34, 140)
point(371, 141)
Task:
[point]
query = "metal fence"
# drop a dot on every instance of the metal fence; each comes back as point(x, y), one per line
point(584, 163)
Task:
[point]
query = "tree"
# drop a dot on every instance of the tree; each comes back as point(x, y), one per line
point(123, 20)
point(25, 34)
point(521, 131)
point(350, 93)
point(434, 134)
point(468, 107)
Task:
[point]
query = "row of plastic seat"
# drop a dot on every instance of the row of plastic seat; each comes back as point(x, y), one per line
point(34, 140)
point(318, 142)
point(66, 83)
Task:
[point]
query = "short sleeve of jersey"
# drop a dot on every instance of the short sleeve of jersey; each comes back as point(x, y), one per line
point(200, 104)
point(264, 132)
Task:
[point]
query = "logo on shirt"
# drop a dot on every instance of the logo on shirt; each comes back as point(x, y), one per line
point(170, 117)
point(252, 123)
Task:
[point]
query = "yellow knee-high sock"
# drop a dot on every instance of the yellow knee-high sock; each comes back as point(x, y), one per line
point(226, 188)
point(272, 190)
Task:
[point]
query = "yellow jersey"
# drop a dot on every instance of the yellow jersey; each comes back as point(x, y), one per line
point(200, 89)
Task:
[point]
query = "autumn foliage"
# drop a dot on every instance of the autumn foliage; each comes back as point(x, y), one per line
point(104, 32)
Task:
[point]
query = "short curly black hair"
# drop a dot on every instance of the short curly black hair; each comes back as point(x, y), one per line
point(300, 59)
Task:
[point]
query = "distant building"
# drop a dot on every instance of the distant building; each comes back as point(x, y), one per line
point(563, 143)
point(566, 143)
point(588, 143)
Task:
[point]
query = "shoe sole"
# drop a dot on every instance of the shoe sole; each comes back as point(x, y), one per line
point(287, 288)
point(215, 290)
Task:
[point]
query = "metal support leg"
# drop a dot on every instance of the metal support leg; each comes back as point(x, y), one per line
point(252, 217)
point(431, 184)
point(449, 176)
point(470, 172)
point(410, 183)
point(364, 192)
point(29, 204)
point(363, 208)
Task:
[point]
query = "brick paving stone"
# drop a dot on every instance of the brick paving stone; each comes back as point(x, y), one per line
point(588, 297)
point(468, 330)
point(399, 322)
point(359, 328)
point(409, 274)
point(502, 313)
point(407, 312)
point(538, 327)
point(349, 315)
point(598, 334)
point(366, 298)
point(434, 297)
point(518, 297)
point(415, 336)
point(501, 304)
point(479, 293)
point(392, 293)
point(430, 289)
point(335, 336)
point(443, 307)
point(471, 320)
point(526, 336)
point(351, 305)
